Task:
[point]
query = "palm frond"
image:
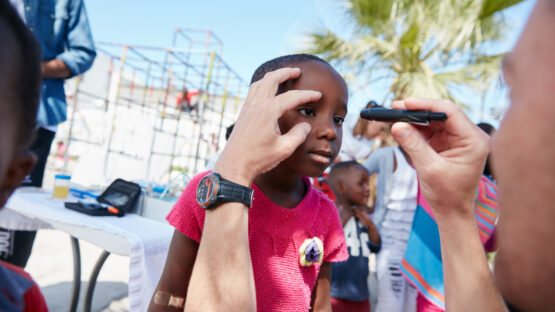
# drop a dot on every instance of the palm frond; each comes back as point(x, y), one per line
point(490, 7)
point(424, 47)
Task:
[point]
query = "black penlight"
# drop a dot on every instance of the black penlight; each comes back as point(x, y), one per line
point(394, 115)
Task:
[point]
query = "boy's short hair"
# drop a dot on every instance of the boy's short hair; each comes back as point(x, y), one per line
point(24, 86)
point(283, 61)
point(338, 171)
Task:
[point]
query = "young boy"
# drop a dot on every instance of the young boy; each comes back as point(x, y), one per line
point(19, 96)
point(349, 288)
point(294, 231)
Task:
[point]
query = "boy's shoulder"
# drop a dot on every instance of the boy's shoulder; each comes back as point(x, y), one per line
point(323, 198)
point(15, 270)
point(196, 179)
point(186, 215)
point(326, 207)
point(315, 194)
point(17, 288)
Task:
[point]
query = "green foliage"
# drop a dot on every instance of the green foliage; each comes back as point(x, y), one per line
point(424, 47)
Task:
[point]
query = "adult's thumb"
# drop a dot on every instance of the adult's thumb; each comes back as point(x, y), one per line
point(412, 141)
point(294, 137)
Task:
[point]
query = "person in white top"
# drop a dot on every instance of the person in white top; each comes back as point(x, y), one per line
point(360, 142)
point(395, 207)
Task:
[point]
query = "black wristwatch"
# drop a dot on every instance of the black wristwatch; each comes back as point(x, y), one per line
point(214, 190)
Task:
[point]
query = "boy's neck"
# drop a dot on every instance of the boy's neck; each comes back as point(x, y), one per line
point(344, 202)
point(282, 186)
point(339, 201)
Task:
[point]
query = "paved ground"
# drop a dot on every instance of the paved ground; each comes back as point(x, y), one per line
point(51, 265)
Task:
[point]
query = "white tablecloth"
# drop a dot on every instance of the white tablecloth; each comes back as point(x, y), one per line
point(145, 241)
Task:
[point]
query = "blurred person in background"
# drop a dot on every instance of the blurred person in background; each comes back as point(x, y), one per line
point(360, 142)
point(393, 215)
point(62, 29)
point(19, 96)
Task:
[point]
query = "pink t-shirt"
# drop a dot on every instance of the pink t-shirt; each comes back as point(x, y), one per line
point(275, 237)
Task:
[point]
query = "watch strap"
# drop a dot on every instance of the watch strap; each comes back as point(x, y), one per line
point(233, 192)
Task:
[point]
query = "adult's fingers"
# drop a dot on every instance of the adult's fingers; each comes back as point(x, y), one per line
point(457, 122)
point(293, 98)
point(252, 92)
point(398, 105)
point(289, 141)
point(414, 143)
point(271, 81)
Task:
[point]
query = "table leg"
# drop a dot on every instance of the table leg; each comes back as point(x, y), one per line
point(92, 280)
point(76, 274)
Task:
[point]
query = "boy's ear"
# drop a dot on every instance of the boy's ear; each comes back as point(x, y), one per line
point(340, 188)
point(17, 170)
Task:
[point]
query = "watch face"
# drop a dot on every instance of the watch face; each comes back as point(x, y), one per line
point(207, 190)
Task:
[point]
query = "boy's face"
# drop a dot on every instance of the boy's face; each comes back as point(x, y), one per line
point(14, 165)
point(356, 190)
point(7, 126)
point(325, 116)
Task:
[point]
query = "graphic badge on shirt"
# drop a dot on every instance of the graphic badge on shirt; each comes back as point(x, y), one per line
point(312, 251)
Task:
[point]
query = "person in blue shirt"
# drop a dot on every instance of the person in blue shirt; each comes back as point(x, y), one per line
point(349, 288)
point(62, 29)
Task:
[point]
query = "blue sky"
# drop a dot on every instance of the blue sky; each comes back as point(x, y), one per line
point(252, 31)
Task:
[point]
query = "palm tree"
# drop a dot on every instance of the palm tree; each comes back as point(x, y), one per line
point(423, 48)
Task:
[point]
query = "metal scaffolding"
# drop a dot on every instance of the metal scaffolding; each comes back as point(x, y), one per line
point(150, 113)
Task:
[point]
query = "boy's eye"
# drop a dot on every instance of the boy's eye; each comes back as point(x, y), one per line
point(307, 112)
point(338, 120)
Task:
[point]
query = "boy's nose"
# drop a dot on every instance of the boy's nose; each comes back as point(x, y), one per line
point(326, 130)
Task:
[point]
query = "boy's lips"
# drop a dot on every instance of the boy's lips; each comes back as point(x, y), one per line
point(323, 157)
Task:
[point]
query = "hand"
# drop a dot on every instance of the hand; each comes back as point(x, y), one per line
point(55, 68)
point(361, 214)
point(448, 156)
point(256, 144)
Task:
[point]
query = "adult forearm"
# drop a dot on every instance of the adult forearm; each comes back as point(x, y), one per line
point(222, 278)
point(469, 284)
point(55, 68)
point(222, 275)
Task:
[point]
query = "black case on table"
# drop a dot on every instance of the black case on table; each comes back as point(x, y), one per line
point(120, 194)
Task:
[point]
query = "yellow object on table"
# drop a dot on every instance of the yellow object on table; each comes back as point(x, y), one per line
point(61, 186)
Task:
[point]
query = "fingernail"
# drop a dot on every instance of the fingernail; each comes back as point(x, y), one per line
point(398, 104)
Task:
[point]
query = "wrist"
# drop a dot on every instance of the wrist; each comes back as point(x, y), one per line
point(233, 172)
point(455, 216)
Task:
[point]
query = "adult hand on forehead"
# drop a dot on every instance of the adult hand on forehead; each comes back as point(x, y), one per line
point(448, 156)
point(256, 144)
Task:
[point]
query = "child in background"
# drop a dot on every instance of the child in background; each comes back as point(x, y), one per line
point(349, 288)
point(20, 80)
point(294, 230)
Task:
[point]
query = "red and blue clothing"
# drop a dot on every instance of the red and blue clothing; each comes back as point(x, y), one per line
point(422, 265)
point(18, 291)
